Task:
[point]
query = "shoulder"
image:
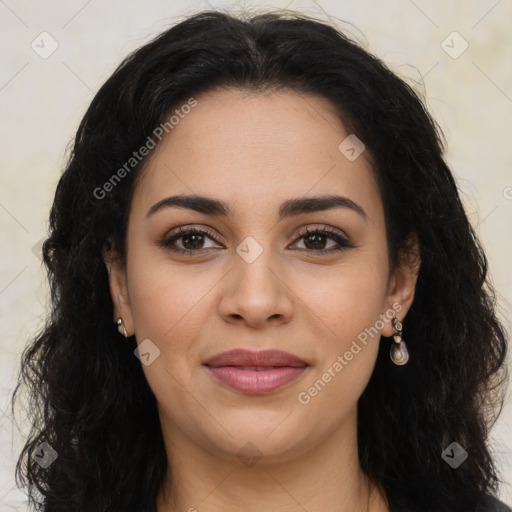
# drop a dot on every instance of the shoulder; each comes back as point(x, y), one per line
point(490, 503)
point(486, 503)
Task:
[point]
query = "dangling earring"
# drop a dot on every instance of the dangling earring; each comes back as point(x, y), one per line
point(398, 353)
point(119, 323)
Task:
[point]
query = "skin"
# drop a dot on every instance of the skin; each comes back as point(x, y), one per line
point(254, 152)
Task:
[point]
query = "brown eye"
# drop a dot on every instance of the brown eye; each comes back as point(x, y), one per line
point(315, 241)
point(191, 241)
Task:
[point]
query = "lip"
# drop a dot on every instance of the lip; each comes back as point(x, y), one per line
point(244, 357)
point(256, 372)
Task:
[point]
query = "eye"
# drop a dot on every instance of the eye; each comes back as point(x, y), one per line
point(319, 236)
point(191, 241)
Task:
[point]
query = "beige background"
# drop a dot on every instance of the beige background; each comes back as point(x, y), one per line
point(43, 100)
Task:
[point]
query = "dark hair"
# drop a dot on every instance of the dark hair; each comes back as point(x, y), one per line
point(89, 397)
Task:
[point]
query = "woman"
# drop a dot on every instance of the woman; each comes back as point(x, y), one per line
point(266, 292)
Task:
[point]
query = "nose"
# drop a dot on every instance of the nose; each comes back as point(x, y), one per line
point(256, 293)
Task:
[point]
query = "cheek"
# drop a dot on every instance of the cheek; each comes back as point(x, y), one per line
point(347, 299)
point(348, 304)
point(168, 307)
point(164, 298)
point(349, 346)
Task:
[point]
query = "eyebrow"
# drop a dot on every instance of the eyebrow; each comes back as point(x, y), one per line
point(288, 208)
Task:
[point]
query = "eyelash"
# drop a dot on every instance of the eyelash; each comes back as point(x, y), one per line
point(343, 243)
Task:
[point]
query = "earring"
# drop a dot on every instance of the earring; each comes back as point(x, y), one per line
point(398, 353)
point(119, 323)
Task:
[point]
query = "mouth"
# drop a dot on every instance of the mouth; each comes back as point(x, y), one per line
point(255, 359)
point(256, 372)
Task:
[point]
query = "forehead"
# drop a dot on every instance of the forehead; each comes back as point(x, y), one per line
point(252, 149)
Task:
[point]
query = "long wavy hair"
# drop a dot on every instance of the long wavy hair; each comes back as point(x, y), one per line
point(89, 399)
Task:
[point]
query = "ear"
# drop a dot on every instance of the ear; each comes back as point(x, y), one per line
point(402, 283)
point(119, 290)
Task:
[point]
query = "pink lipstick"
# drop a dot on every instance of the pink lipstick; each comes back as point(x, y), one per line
point(256, 372)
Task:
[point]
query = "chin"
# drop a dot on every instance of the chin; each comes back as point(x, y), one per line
point(272, 442)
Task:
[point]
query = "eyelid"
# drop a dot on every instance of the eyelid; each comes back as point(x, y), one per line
point(300, 231)
point(181, 231)
point(313, 228)
point(336, 234)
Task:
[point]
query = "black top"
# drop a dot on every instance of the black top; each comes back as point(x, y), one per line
point(487, 503)
point(492, 504)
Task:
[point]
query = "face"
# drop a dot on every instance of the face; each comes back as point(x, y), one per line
point(266, 275)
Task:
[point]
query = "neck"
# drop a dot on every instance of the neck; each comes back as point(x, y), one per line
point(327, 477)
